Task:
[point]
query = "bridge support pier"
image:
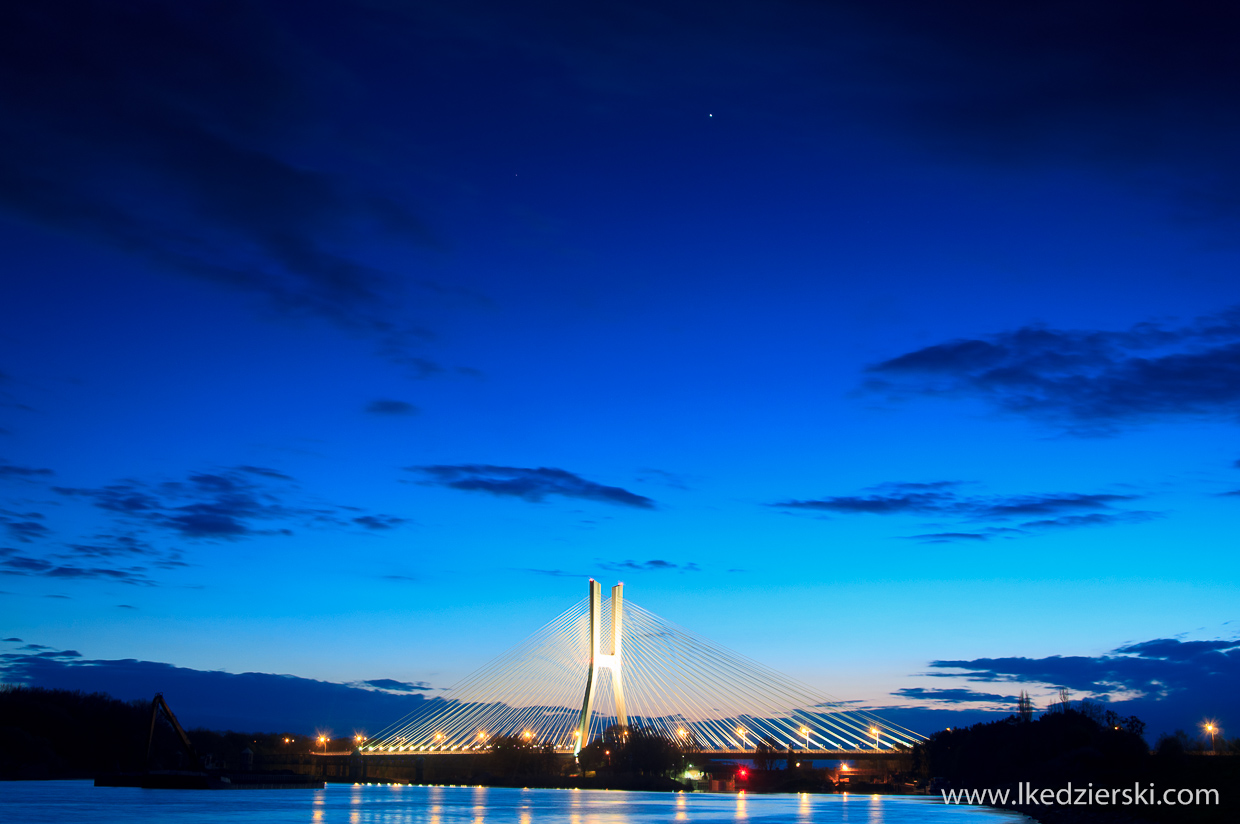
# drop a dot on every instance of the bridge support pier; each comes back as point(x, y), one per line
point(600, 660)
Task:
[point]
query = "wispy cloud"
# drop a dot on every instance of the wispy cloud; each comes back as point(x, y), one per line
point(227, 504)
point(1157, 668)
point(655, 565)
point(1083, 382)
point(379, 522)
point(953, 696)
point(13, 471)
point(387, 406)
point(552, 573)
point(391, 685)
point(529, 484)
point(25, 527)
point(12, 563)
point(1001, 515)
point(673, 480)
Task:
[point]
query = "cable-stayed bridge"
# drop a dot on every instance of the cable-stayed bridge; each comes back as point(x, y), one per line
point(609, 664)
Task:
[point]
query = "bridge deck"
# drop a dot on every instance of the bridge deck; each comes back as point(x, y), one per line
point(811, 755)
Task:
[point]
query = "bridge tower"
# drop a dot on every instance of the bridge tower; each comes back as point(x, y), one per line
point(600, 660)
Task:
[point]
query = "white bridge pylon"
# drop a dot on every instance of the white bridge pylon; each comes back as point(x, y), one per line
point(637, 670)
point(611, 660)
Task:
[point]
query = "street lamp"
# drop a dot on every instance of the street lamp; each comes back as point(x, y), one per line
point(805, 732)
point(744, 741)
point(874, 732)
point(323, 741)
point(1211, 728)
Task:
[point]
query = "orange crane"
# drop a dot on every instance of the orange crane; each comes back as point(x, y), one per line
point(157, 704)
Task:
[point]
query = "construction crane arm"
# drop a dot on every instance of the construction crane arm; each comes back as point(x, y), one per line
point(157, 704)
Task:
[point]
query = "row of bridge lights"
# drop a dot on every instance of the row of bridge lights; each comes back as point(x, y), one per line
point(323, 739)
point(742, 732)
point(530, 736)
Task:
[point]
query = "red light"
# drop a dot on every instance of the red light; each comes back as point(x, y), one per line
point(743, 773)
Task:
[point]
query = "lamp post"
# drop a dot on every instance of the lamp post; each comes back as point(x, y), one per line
point(1212, 729)
point(323, 741)
point(805, 732)
point(874, 732)
point(744, 741)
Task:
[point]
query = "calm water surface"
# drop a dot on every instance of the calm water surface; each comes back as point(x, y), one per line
point(80, 801)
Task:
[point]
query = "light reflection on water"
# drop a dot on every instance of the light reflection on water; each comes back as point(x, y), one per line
point(40, 802)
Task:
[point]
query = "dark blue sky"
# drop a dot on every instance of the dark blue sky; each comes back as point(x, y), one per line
point(898, 348)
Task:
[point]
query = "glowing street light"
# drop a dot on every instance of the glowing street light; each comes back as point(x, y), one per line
point(874, 732)
point(805, 732)
point(741, 732)
point(1211, 728)
point(323, 741)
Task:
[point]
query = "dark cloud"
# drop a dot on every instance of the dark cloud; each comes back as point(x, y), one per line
point(379, 522)
point(114, 546)
point(1092, 519)
point(949, 537)
point(265, 472)
point(229, 504)
point(655, 565)
point(1171, 682)
point(1083, 382)
point(395, 686)
point(945, 499)
point(40, 567)
point(204, 104)
point(8, 470)
point(125, 606)
point(13, 640)
point(385, 406)
point(25, 526)
point(47, 653)
point(952, 696)
point(528, 484)
point(219, 700)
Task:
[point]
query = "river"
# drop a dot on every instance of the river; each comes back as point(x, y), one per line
point(33, 802)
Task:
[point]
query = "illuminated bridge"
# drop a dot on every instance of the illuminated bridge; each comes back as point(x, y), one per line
point(604, 664)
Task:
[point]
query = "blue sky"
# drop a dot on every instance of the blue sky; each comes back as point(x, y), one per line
point(348, 343)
